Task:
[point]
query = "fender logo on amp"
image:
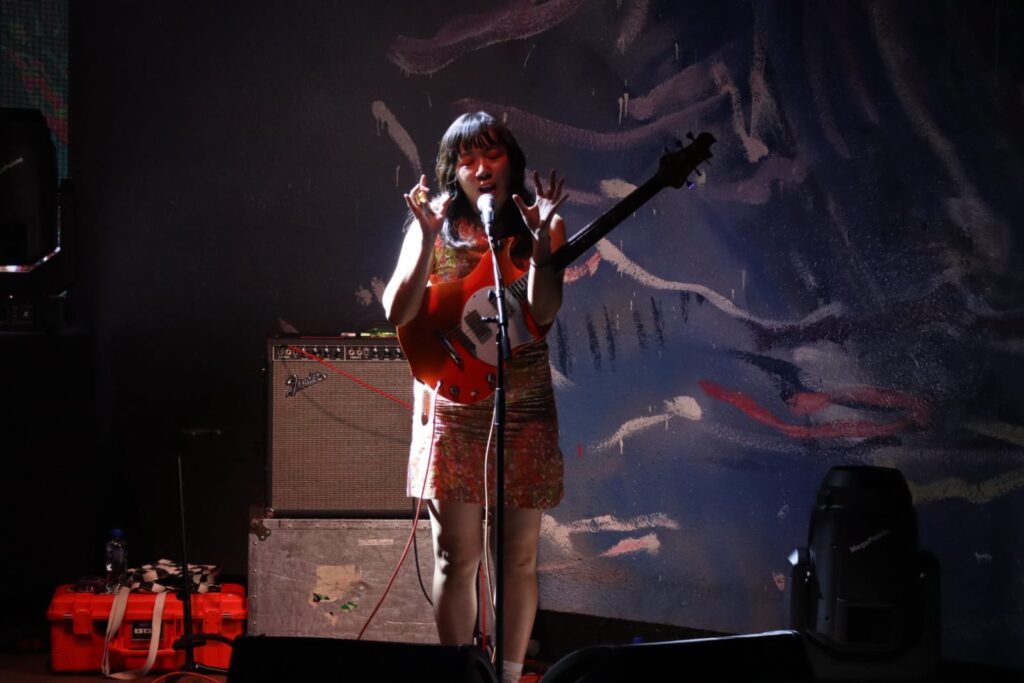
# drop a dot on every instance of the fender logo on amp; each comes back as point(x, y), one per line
point(296, 384)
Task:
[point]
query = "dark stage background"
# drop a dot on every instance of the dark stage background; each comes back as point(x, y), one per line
point(841, 287)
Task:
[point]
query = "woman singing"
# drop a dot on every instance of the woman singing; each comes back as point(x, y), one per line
point(444, 241)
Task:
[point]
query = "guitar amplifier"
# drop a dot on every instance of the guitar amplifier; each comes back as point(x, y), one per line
point(340, 423)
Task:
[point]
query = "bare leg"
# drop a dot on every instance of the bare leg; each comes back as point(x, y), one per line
point(522, 533)
point(458, 546)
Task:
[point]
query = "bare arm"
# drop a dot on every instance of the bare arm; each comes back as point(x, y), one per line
point(544, 287)
point(404, 291)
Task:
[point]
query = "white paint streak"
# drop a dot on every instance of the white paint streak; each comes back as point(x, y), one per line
point(616, 188)
point(763, 110)
point(756, 149)
point(973, 492)
point(560, 381)
point(466, 33)
point(397, 132)
point(610, 253)
point(560, 535)
point(999, 430)
point(894, 57)
point(819, 83)
point(632, 24)
point(629, 428)
point(364, 297)
point(528, 54)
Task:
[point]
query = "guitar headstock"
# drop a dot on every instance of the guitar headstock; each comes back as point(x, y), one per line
point(674, 168)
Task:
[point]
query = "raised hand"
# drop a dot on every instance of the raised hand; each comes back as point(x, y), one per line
point(538, 216)
point(429, 215)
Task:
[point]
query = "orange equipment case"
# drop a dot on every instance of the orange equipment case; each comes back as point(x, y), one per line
point(78, 626)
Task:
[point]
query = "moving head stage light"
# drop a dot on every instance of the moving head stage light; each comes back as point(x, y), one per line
point(34, 263)
point(864, 595)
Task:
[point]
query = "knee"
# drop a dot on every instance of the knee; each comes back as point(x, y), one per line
point(457, 561)
point(521, 562)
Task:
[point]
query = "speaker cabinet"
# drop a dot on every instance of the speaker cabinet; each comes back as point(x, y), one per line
point(323, 578)
point(339, 432)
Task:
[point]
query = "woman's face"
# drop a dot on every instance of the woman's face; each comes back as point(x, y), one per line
point(484, 170)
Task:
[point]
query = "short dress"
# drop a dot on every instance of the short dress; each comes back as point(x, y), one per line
point(534, 470)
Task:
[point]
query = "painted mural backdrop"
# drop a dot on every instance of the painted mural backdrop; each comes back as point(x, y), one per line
point(841, 286)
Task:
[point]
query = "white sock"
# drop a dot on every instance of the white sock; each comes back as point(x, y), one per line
point(511, 671)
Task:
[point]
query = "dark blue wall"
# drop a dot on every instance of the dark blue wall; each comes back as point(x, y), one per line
point(841, 287)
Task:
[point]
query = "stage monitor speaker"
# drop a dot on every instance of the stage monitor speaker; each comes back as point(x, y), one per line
point(338, 447)
point(261, 659)
point(773, 657)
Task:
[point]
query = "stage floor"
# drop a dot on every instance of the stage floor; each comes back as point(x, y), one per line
point(34, 667)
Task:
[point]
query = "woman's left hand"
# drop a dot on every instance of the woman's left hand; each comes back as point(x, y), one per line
point(539, 215)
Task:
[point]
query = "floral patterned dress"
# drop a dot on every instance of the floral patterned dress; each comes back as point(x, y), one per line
point(458, 432)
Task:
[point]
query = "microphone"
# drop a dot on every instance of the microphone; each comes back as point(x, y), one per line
point(485, 205)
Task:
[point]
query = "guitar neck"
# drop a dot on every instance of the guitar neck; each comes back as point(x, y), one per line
point(589, 235)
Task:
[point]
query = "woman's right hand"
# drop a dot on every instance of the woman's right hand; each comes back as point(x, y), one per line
point(430, 215)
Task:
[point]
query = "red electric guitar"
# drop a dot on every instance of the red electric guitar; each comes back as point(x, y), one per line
point(449, 341)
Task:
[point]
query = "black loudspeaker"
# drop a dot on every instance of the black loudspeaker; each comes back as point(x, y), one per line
point(774, 657)
point(339, 439)
point(261, 659)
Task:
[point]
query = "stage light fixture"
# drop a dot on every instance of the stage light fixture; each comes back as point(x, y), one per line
point(862, 592)
point(35, 264)
point(29, 233)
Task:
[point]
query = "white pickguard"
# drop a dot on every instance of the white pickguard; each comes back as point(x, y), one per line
point(483, 334)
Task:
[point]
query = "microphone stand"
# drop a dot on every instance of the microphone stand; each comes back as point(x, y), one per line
point(188, 641)
point(504, 351)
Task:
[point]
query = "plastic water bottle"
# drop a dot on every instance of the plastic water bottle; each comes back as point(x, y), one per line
point(116, 554)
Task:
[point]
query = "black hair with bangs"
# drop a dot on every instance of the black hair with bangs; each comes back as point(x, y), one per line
point(474, 130)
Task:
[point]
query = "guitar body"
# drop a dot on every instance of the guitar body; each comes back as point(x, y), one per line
point(450, 343)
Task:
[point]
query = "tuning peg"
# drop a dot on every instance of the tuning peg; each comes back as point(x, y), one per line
point(697, 171)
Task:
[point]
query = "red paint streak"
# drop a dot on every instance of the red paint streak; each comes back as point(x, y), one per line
point(916, 415)
point(648, 543)
point(579, 450)
point(585, 269)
